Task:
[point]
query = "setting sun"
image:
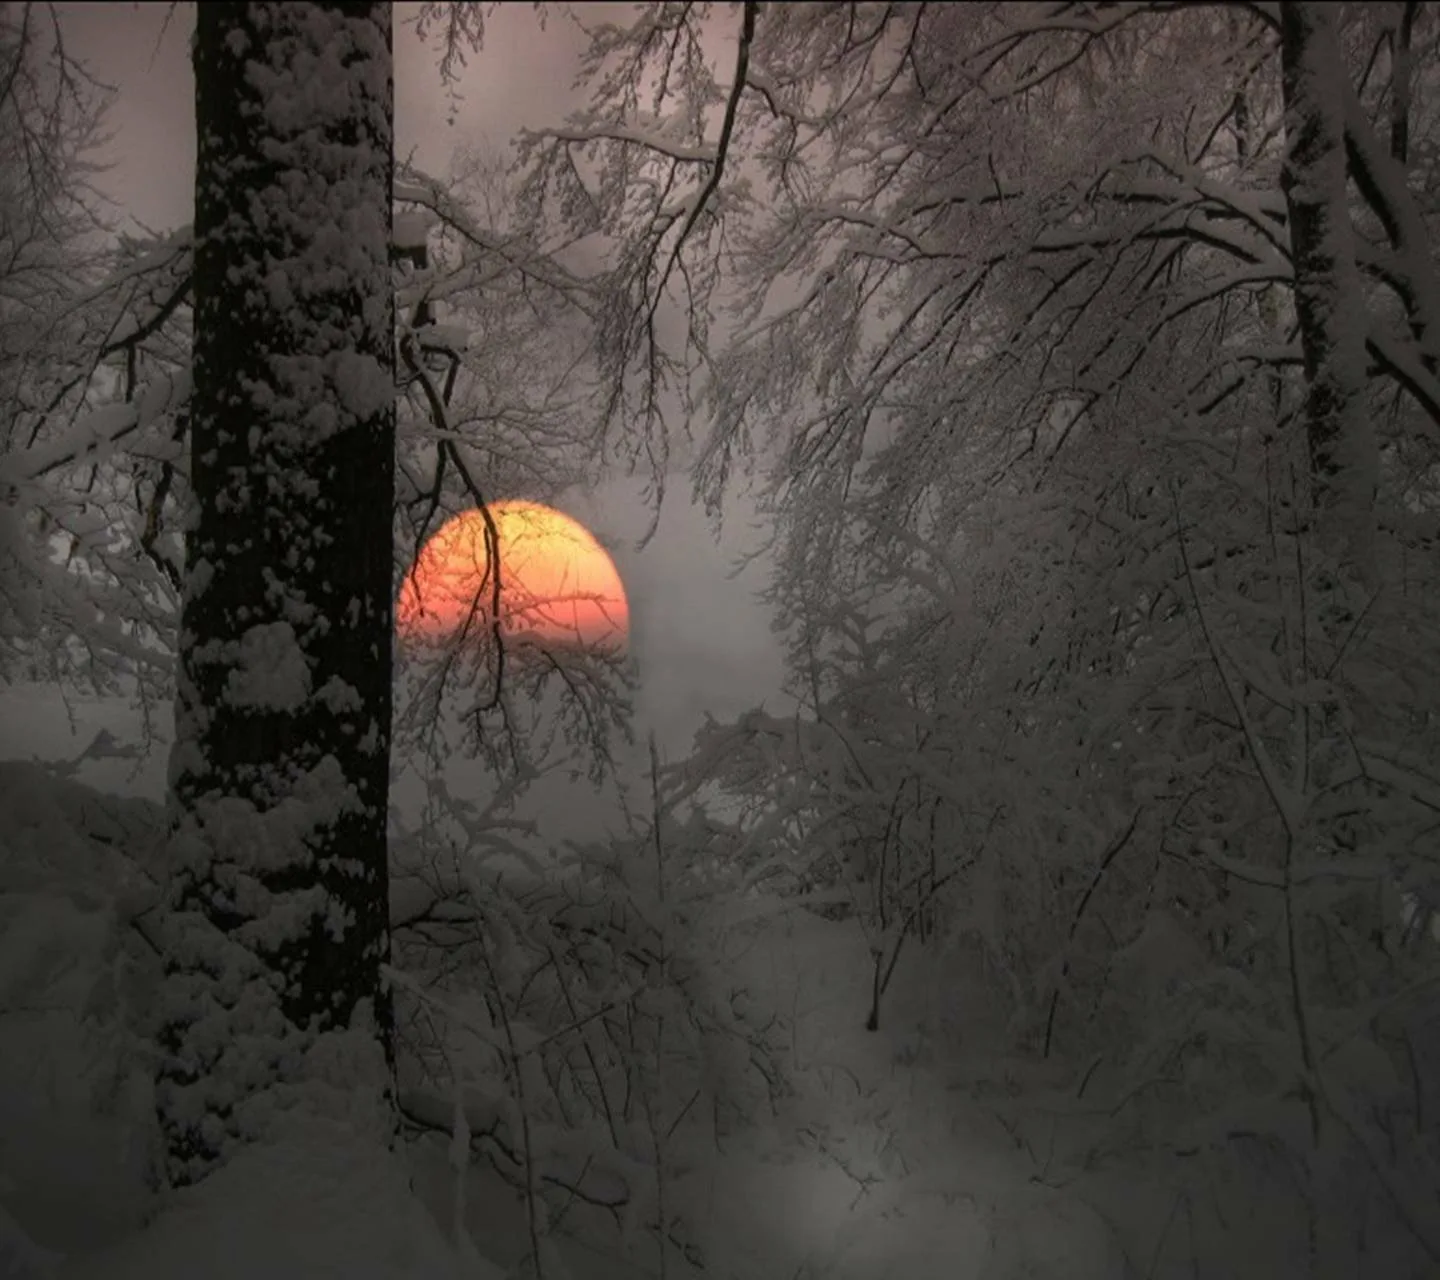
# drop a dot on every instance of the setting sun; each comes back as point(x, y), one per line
point(557, 584)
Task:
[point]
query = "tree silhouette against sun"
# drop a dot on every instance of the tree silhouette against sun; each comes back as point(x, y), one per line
point(558, 586)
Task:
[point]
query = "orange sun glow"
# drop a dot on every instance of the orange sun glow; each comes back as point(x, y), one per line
point(557, 585)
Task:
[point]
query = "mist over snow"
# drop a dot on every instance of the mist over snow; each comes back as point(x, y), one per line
point(701, 641)
point(701, 638)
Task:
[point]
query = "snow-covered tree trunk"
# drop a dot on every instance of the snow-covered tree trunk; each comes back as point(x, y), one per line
point(279, 778)
point(1329, 297)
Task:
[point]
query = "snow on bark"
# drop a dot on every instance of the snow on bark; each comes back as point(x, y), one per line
point(279, 777)
point(270, 671)
point(1329, 299)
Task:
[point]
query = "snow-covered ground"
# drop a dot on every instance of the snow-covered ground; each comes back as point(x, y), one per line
point(877, 1170)
point(884, 1163)
point(40, 723)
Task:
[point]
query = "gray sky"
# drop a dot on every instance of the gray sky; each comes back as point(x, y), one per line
point(521, 79)
point(701, 640)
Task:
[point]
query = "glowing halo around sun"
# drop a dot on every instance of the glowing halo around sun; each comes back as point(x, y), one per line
point(557, 584)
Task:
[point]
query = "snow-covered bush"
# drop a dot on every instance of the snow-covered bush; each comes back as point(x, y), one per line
point(76, 977)
point(573, 1024)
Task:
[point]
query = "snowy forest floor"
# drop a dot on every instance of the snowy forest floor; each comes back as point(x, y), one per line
point(909, 1152)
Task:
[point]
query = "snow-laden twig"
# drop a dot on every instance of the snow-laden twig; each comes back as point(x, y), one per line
point(95, 437)
point(1289, 807)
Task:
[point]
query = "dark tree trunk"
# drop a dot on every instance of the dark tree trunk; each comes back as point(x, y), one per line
point(1329, 297)
point(280, 775)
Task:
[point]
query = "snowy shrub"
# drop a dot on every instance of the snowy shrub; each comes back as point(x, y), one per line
point(580, 1019)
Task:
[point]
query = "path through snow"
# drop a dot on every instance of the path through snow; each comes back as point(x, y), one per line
point(878, 1170)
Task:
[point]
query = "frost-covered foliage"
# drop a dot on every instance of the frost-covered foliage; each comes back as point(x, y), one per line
point(500, 401)
point(834, 812)
point(87, 366)
point(571, 1025)
point(1087, 355)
